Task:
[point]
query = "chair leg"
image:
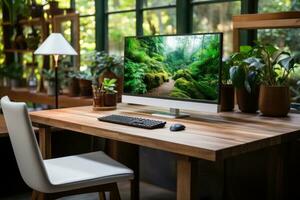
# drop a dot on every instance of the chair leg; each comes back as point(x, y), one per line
point(102, 196)
point(115, 194)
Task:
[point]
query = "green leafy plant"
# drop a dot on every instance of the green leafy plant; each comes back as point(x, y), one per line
point(278, 65)
point(246, 68)
point(101, 62)
point(13, 71)
point(49, 75)
point(109, 85)
point(16, 9)
point(85, 75)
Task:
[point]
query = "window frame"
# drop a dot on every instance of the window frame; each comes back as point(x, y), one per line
point(184, 18)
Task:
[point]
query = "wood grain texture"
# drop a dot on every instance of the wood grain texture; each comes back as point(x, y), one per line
point(208, 136)
point(263, 21)
point(22, 94)
point(183, 178)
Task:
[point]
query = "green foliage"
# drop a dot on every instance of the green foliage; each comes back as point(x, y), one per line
point(246, 68)
point(86, 75)
point(178, 93)
point(109, 85)
point(49, 75)
point(16, 9)
point(12, 71)
point(278, 65)
point(134, 76)
point(190, 88)
point(150, 63)
point(102, 62)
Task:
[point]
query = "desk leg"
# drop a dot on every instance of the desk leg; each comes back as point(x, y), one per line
point(45, 142)
point(183, 178)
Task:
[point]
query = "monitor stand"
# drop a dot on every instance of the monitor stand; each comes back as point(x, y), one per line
point(174, 113)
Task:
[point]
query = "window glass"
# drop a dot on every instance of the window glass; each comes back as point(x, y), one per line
point(284, 39)
point(216, 17)
point(85, 7)
point(155, 3)
point(160, 21)
point(115, 5)
point(87, 37)
point(267, 6)
point(119, 26)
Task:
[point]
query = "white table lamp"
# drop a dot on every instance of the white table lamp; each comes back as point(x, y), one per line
point(55, 45)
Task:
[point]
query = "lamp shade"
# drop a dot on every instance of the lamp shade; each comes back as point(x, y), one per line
point(55, 44)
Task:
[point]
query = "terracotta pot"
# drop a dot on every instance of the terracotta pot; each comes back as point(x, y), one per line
point(227, 98)
point(85, 88)
point(110, 99)
point(110, 74)
point(74, 88)
point(274, 101)
point(247, 102)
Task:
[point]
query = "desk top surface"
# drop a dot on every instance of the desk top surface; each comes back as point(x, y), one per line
point(210, 136)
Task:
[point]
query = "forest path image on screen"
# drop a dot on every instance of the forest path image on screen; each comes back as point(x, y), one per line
point(179, 67)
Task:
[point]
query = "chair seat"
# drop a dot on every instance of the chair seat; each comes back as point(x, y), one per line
point(85, 170)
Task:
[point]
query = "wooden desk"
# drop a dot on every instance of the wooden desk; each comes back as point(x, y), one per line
point(211, 137)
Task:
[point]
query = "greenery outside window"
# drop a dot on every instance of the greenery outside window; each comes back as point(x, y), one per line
point(216, 17)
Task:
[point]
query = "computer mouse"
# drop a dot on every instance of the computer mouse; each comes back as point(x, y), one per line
point(177, 127)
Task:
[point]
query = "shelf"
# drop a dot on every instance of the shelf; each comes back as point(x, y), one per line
point(23, 94)
point(19, 50)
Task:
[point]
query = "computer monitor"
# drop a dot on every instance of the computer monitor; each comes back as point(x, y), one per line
point(173, 71)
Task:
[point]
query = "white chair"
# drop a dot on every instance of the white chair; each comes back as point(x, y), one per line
point(55, 178)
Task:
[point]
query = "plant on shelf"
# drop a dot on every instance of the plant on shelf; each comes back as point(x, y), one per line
point(275, 94)
point(14, 72)
point(85, 82)
point(245, 73)
point(73, 83)
point(49, 76)
point(17, 9)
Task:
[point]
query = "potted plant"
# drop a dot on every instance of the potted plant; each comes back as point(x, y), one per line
point(245, 74)
point(4, 71)
point(274, 93)
point(74, 89)
point(85, 82)
point(227, 89)
point(110, 93)
point(49, 78)
point(104, 65)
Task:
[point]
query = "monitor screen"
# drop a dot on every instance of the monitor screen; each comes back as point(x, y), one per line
point(179, 67)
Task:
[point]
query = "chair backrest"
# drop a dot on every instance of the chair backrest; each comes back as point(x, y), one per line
point(24, 144)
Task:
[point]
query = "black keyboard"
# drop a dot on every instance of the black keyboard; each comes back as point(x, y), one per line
point(133, 121)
